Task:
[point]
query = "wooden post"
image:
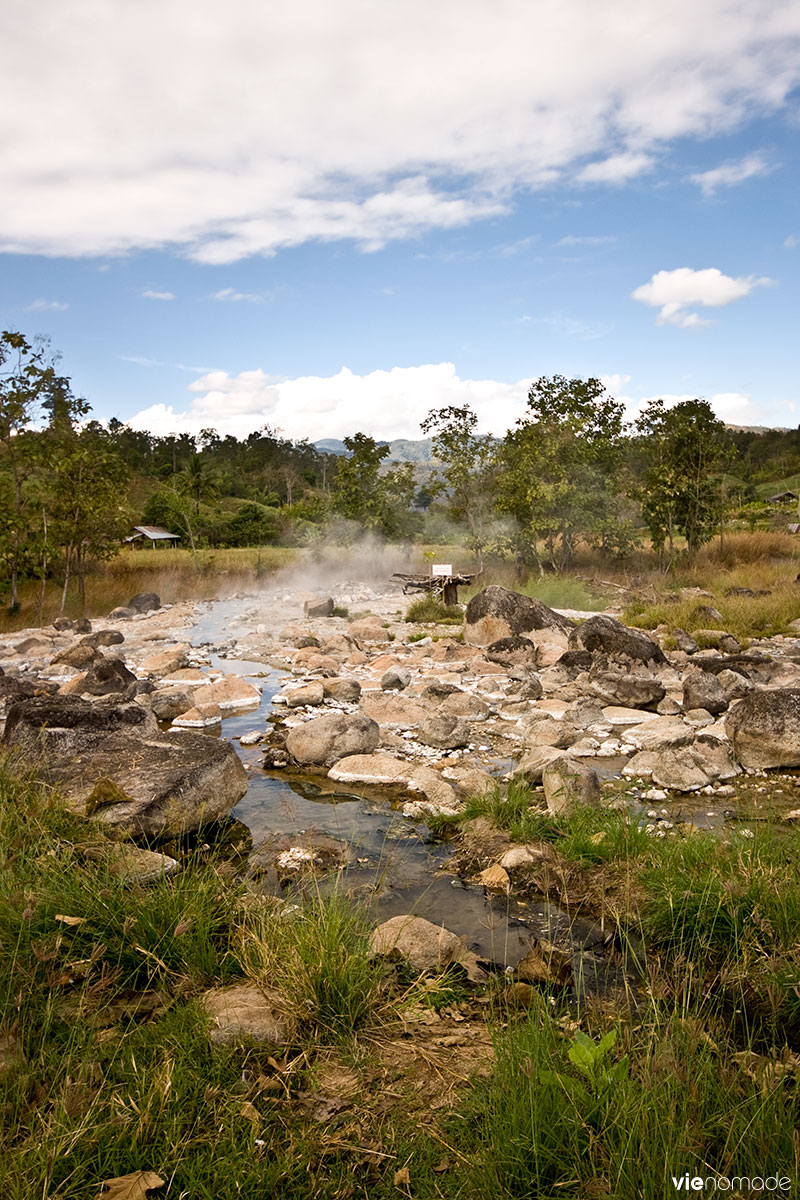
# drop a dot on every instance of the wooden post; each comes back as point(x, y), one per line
point(450, 592)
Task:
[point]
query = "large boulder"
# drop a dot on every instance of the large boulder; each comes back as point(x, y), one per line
point(764, 728)
point(622, 687)
point(606, 635)
point(701, 689)
point(496, 613)
point(324, 740)
point(144, 602)
point(108, 677)
point(515, 651)
point(110, 760)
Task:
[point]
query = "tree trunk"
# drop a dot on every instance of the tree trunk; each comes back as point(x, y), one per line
point(67, 570)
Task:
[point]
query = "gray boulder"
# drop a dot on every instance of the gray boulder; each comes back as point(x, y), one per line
point(347, 691)
point(513, 651)
point(144, 602)
point(104, 637)
point(570, 785)
point(121, 613)
point(701, 689)
point(497, 613)
point(444, 731)
point(110, 761)
point(606, 635)
point(764, 728)
point(108, 677)
point(319, 608)
point(395, 679)
point(324, 740)
point(621, 687)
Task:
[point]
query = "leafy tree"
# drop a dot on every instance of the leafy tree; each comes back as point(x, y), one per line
point(469, 470)
point(683, 451)
point(377, 499)
point(560, 471)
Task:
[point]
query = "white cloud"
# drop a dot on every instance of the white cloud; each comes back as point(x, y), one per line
point(230, 294)
point(733, 407)
point(790, 243)
point(283, 124)
point(148, 294)
point(41, 305)
point(617, 169)
point(385, 404)
point(674, 291)
point(731, 173)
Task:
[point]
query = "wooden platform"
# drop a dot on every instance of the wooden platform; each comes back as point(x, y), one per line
point(447, 585)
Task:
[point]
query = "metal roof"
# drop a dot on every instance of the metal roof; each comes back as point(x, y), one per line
point(153, 532)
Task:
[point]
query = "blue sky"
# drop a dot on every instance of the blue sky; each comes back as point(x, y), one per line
point(337, 217)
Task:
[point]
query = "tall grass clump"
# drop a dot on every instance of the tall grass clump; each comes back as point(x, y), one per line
point(315, 953)
point(430, 609)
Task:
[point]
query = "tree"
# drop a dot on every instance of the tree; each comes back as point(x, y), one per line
point(29, 388)
point(469, 473)
point(377, 499)
point(560, 471)
point(683, 453)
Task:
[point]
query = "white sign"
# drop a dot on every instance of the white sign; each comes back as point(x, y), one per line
point(441, 569)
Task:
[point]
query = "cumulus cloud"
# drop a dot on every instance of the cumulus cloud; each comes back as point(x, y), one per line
point(617, 169)
point(733, 407)
point(385, 404)
point(230, 295)
point(284, 124)
point(731, 173)
point(41, 305)
point(149, 294)
point(673, 292)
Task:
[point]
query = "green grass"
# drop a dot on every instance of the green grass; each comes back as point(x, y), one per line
point(108, 1067)
point(429, 609)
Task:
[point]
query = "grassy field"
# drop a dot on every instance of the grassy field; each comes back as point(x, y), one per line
point(392, 1083)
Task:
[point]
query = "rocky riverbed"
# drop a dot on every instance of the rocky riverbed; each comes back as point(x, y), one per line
point(336, 739)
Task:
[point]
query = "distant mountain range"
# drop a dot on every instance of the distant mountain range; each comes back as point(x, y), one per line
point(400, 450)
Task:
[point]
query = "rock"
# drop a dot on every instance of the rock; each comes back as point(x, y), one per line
point(389, 708)
point(701, 689)
point(104, 637)
point(201, 716)
point(495, 879)
point(623, 688)
point(570, 785)
point(573, 662)
point(372, 768)
point(683, 768)
point(109, 760)
point(614, 714)
point(470, 781)
point(668, 707)
point(608, 636)
point(33, 647)
point(78, 655)
point(82, 625)
point(734, 685)
point(443, 731)
point(144, 602)
point(427, 947)
point(246, 1013)
point(168, 705)
point(666, 732)
point(165, 662)
point(324, 740)
point(310, 695)
point(395, 679)
point(525, 684)
point(497, 613)
point(121, 613)
point(764, 728)
point(368, 630)
point(717, 639)
point(683, 641)
point(513, 651)
point(346, 691)
point(707, 612)
point(464, 704)
point(319, 607)
point(534, 761)
point(134, 865)
point(438, 690)
point(108, 677)
point(62, 624)
point(232, 691)
point(252, 738)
